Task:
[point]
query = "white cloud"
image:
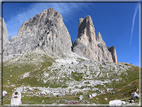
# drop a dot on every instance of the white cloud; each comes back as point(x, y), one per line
point(133, 22)
point(67, 10)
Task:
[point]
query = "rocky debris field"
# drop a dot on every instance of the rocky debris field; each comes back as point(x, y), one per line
point(46, 67)
point(69, 79)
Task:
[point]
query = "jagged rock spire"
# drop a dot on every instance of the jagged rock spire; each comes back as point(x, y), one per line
point(88, 45)
point(86, 30)
point(113, 53)
point(85, 44)
point(99, 37)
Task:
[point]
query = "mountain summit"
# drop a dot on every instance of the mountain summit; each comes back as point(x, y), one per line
point(42, 66)
point(47, 31)
point(91, 46)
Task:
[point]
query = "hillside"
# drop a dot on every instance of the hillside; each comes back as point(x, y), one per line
point(62, 80)
point(43, 64)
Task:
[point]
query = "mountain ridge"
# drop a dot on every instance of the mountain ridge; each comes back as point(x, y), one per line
point(41, 65)
point(47, 31)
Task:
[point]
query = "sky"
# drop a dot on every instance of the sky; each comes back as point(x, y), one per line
point(118, 23)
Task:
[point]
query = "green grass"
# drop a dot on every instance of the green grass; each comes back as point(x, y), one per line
point(122, 89)
point(8, 96)
point(38, 100)
point(48, 100)
point(123, 93)
point(17, 69)
point(80, 59)
point(77, 76)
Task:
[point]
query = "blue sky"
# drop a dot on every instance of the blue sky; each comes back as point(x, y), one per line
point(118, 23)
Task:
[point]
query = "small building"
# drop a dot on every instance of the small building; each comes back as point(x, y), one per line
point(16, 98)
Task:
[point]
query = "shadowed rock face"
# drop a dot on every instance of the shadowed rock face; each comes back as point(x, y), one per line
point(113, 53)
point(88, 45)
point(104, 54)
point(44, 31)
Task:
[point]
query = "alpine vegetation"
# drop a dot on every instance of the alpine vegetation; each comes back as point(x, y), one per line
point(41, 65)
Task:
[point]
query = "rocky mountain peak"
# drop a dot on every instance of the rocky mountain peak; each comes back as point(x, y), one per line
point(113, 53)
point(45, 31)
point(47, 17)
point(89, 46)
point(86, 44)
point(86, 30)
point(99, 37)
point(51, 13)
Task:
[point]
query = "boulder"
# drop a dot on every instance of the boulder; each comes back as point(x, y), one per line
point(131, 101)
point(4, 93)
point(30, 89)
point(137, 89)
point(115, 103)
point(112, 92)
point(94, 94)
point(105, 99)
point(123, 102)
point(90, 96)
point(135, 95)
point(42, 93)
point(80, 97)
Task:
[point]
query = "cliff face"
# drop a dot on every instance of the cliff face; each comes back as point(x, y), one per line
point(91, 46)
point(4, 31)
point(85, 44)
point(46, 31)
point(113, 53)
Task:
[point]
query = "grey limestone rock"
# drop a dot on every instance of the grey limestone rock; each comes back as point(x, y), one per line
point(89, 45)
point(80, 97)
point(45, 31)
point(85, 44)
point(104, 55)
point(4, 31)
point(113, 53)
point(135, 95)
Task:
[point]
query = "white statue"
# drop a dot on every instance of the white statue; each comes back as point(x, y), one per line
point(16, 98)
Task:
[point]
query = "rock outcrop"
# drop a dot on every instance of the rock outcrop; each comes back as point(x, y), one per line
point(4, 31)
point(44, 31)
point(91, 46)
point(104, 54)
point(113, 53)
point(85, 44)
